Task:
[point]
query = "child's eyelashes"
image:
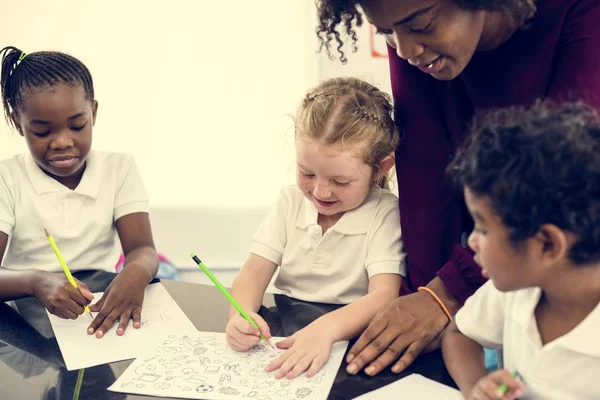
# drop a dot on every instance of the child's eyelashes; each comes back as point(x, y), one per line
point(341, 183)
point(78, 128)
point(479, 231)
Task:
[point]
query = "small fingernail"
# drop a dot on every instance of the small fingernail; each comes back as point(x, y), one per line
point(396, 369)
point(352, 368)
point(370, 370)
point(350, 358)
point(90, 331)
point(136, 324)
point(99, 334)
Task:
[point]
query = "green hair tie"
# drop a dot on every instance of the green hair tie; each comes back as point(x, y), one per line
point(22, 56)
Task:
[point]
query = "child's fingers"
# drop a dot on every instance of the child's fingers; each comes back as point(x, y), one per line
point(513, 387)
point(289, 364)
point(96, 307)
point(124, 321)
point(302, 365)
point(237, 345)
point(278, 362)
point(136, 315)
point(244, 326)
point(85, 291)
point(315, 366)
point(247, 340)
point(103, 322)
point(263, 327)
point(481, 391)
point(285, 343)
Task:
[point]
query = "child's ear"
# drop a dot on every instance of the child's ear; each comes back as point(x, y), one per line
point(15, 120)
point(553, 243)
point(94, 111)
point(385, 165)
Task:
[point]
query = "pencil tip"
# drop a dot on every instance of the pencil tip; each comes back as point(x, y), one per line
point(46, 232)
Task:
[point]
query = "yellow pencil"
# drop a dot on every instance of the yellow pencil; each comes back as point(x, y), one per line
point(63, 264)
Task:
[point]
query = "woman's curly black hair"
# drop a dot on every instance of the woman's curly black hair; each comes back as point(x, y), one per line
point(538, 165)
point(333, 13)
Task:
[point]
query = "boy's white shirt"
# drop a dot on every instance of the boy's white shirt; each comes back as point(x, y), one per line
point(566, 368)
point(82, 221)
point(335, 267)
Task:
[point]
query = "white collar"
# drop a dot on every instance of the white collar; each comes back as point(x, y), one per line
point(353, 222)
point(42, 183)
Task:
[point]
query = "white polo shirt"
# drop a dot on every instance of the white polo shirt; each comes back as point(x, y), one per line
point(333, 268)
point(566, 368)
point(82, 221)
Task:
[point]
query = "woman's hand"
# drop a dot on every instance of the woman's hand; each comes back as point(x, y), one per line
point(59, 296)
point(488, 387)
point(307, 350)
point(241, 335)
point(121, 301)
point(406, 327)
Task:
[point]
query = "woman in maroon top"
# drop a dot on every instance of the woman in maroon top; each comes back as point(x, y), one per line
point(449, 59)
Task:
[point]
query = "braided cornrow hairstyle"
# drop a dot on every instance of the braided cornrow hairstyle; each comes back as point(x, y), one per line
point(351, 113)
point(42, 69)
point(333, 13)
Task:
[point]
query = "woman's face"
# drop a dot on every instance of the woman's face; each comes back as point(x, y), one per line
point(435, 36)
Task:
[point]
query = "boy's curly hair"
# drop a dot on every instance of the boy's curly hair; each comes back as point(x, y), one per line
point(333, 13)
point(538, 165)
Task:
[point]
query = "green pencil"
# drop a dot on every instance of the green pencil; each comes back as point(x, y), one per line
point(502, 388)
point(228, 296)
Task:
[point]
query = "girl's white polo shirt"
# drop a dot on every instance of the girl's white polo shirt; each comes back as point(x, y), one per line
point(82, 221)
point(335, 267)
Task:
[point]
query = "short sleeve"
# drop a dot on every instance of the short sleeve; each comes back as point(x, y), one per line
point(384, 251)
point(7, 203)
point(131, 194)
point(482, 317)
point(270, 239)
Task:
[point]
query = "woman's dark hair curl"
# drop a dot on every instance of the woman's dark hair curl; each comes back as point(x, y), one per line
point(345, 13)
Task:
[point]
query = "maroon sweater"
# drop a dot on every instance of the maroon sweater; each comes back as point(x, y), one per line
point(557, 57)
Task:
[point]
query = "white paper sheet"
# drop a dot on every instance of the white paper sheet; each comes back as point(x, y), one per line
point(160, 313)
point(201, 365)
point(414, 386)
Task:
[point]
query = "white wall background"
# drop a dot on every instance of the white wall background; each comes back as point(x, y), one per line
point(200, 92)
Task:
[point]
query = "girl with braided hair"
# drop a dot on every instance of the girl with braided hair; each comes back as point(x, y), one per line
point(335, 236)
point(448, 60)
point(86, 199)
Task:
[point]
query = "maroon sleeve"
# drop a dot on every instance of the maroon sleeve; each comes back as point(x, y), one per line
point(461, 275)
point(576, 69)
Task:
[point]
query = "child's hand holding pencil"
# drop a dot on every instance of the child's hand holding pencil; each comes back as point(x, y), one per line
point(500, 384)
point(61, 305)
point(57, 294)
point(242, 335)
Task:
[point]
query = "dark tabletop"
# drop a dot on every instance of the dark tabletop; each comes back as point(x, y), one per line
point(31, 366)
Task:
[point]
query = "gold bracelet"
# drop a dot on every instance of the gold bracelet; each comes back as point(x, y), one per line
point(440, 302)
